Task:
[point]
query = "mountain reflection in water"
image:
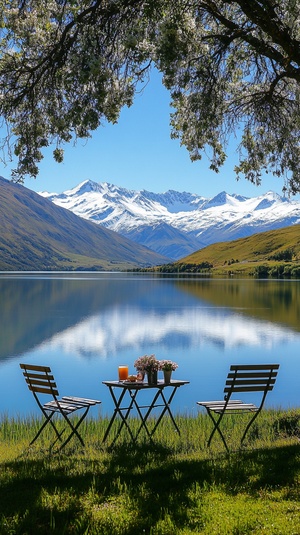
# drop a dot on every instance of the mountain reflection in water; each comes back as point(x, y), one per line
point(116, 330)
point(92, 318)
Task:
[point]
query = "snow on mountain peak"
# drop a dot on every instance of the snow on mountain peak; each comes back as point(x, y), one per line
point(84, 187)
point(161, 220)
point(222, 199)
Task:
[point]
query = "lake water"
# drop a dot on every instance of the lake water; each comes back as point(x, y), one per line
point(84, 325)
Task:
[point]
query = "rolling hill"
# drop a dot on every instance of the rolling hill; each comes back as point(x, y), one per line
point(37, 235)
point(245, 253)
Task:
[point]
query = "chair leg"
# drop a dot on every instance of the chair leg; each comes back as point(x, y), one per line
point(74, 429)
point(249, 425)
point(48, 420)
point(216, 428)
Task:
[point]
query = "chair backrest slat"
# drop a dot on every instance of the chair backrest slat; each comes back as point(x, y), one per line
point(43, 390)
point(35, 367)
point(45, 387)
point(39, 379)
point(36, 376)
point(251, 378)
point(251, 381)
point(262, 375)
point(251, 388)
point(239, 367)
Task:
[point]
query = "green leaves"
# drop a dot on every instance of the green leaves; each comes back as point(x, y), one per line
point(58, 155)
point(239, 73)
point(231, 67)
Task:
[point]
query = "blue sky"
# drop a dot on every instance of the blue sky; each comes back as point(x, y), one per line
point(138, 153)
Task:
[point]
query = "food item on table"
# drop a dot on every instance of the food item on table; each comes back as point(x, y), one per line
point(132, 378)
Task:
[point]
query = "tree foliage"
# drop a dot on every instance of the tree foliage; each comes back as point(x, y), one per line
point(232, 68)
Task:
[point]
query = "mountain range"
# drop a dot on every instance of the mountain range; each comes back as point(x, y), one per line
point(176, 224)
point(37, 235)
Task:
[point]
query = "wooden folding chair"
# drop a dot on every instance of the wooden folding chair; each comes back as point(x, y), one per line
point(41, 381)
point(241, 378)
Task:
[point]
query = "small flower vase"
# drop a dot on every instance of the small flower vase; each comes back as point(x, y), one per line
point(152, 377)
point(167, 376)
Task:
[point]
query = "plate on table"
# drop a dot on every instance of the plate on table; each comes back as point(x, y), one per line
point(132, 382)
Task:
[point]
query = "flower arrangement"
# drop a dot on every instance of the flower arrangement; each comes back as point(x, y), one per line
point(147, 363)
point(167, 365)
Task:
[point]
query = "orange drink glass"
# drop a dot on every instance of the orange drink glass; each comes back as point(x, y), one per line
point(123, 373)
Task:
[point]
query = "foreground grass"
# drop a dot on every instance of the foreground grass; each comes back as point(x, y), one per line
point(174, 485)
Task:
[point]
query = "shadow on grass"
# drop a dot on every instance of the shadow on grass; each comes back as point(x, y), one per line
point(171, 480)
point(150, 476)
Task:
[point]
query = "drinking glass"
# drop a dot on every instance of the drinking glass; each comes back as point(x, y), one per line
point(123, 373)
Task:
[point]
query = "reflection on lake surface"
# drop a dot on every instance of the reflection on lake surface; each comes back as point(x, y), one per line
point(84, 325)
point(116, 330)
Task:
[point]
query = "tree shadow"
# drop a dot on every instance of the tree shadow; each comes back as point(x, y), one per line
point(153, 477)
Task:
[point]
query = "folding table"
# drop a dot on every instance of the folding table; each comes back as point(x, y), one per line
point(162, 396)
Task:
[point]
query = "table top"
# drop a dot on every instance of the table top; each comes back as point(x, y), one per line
point(139, 385)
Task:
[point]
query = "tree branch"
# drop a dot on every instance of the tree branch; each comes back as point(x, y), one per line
point(260, 19)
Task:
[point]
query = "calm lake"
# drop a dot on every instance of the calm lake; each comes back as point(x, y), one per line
point(84, 325)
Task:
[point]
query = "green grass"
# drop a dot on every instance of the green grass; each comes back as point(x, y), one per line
point(174, 485)
point(242, 256)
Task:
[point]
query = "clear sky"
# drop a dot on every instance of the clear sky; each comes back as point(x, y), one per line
point(138, 153)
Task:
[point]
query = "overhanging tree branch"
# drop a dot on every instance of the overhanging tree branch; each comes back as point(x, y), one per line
point(68, 65)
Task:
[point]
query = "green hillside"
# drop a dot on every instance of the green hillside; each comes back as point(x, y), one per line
point(36, 235)
point(246, 254)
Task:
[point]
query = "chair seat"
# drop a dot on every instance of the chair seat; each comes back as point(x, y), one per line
point(81, 401)
point(232, 406)
point(60, 405)
point(69, 404)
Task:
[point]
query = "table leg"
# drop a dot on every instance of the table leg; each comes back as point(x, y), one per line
point(166, 408)
point(145, 417)
point(118, 410)
point(124, 412)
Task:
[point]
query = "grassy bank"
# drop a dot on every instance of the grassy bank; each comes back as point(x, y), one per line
point(173, 486)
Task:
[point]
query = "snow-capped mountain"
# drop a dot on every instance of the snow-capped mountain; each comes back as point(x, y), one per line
point(176, 224)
